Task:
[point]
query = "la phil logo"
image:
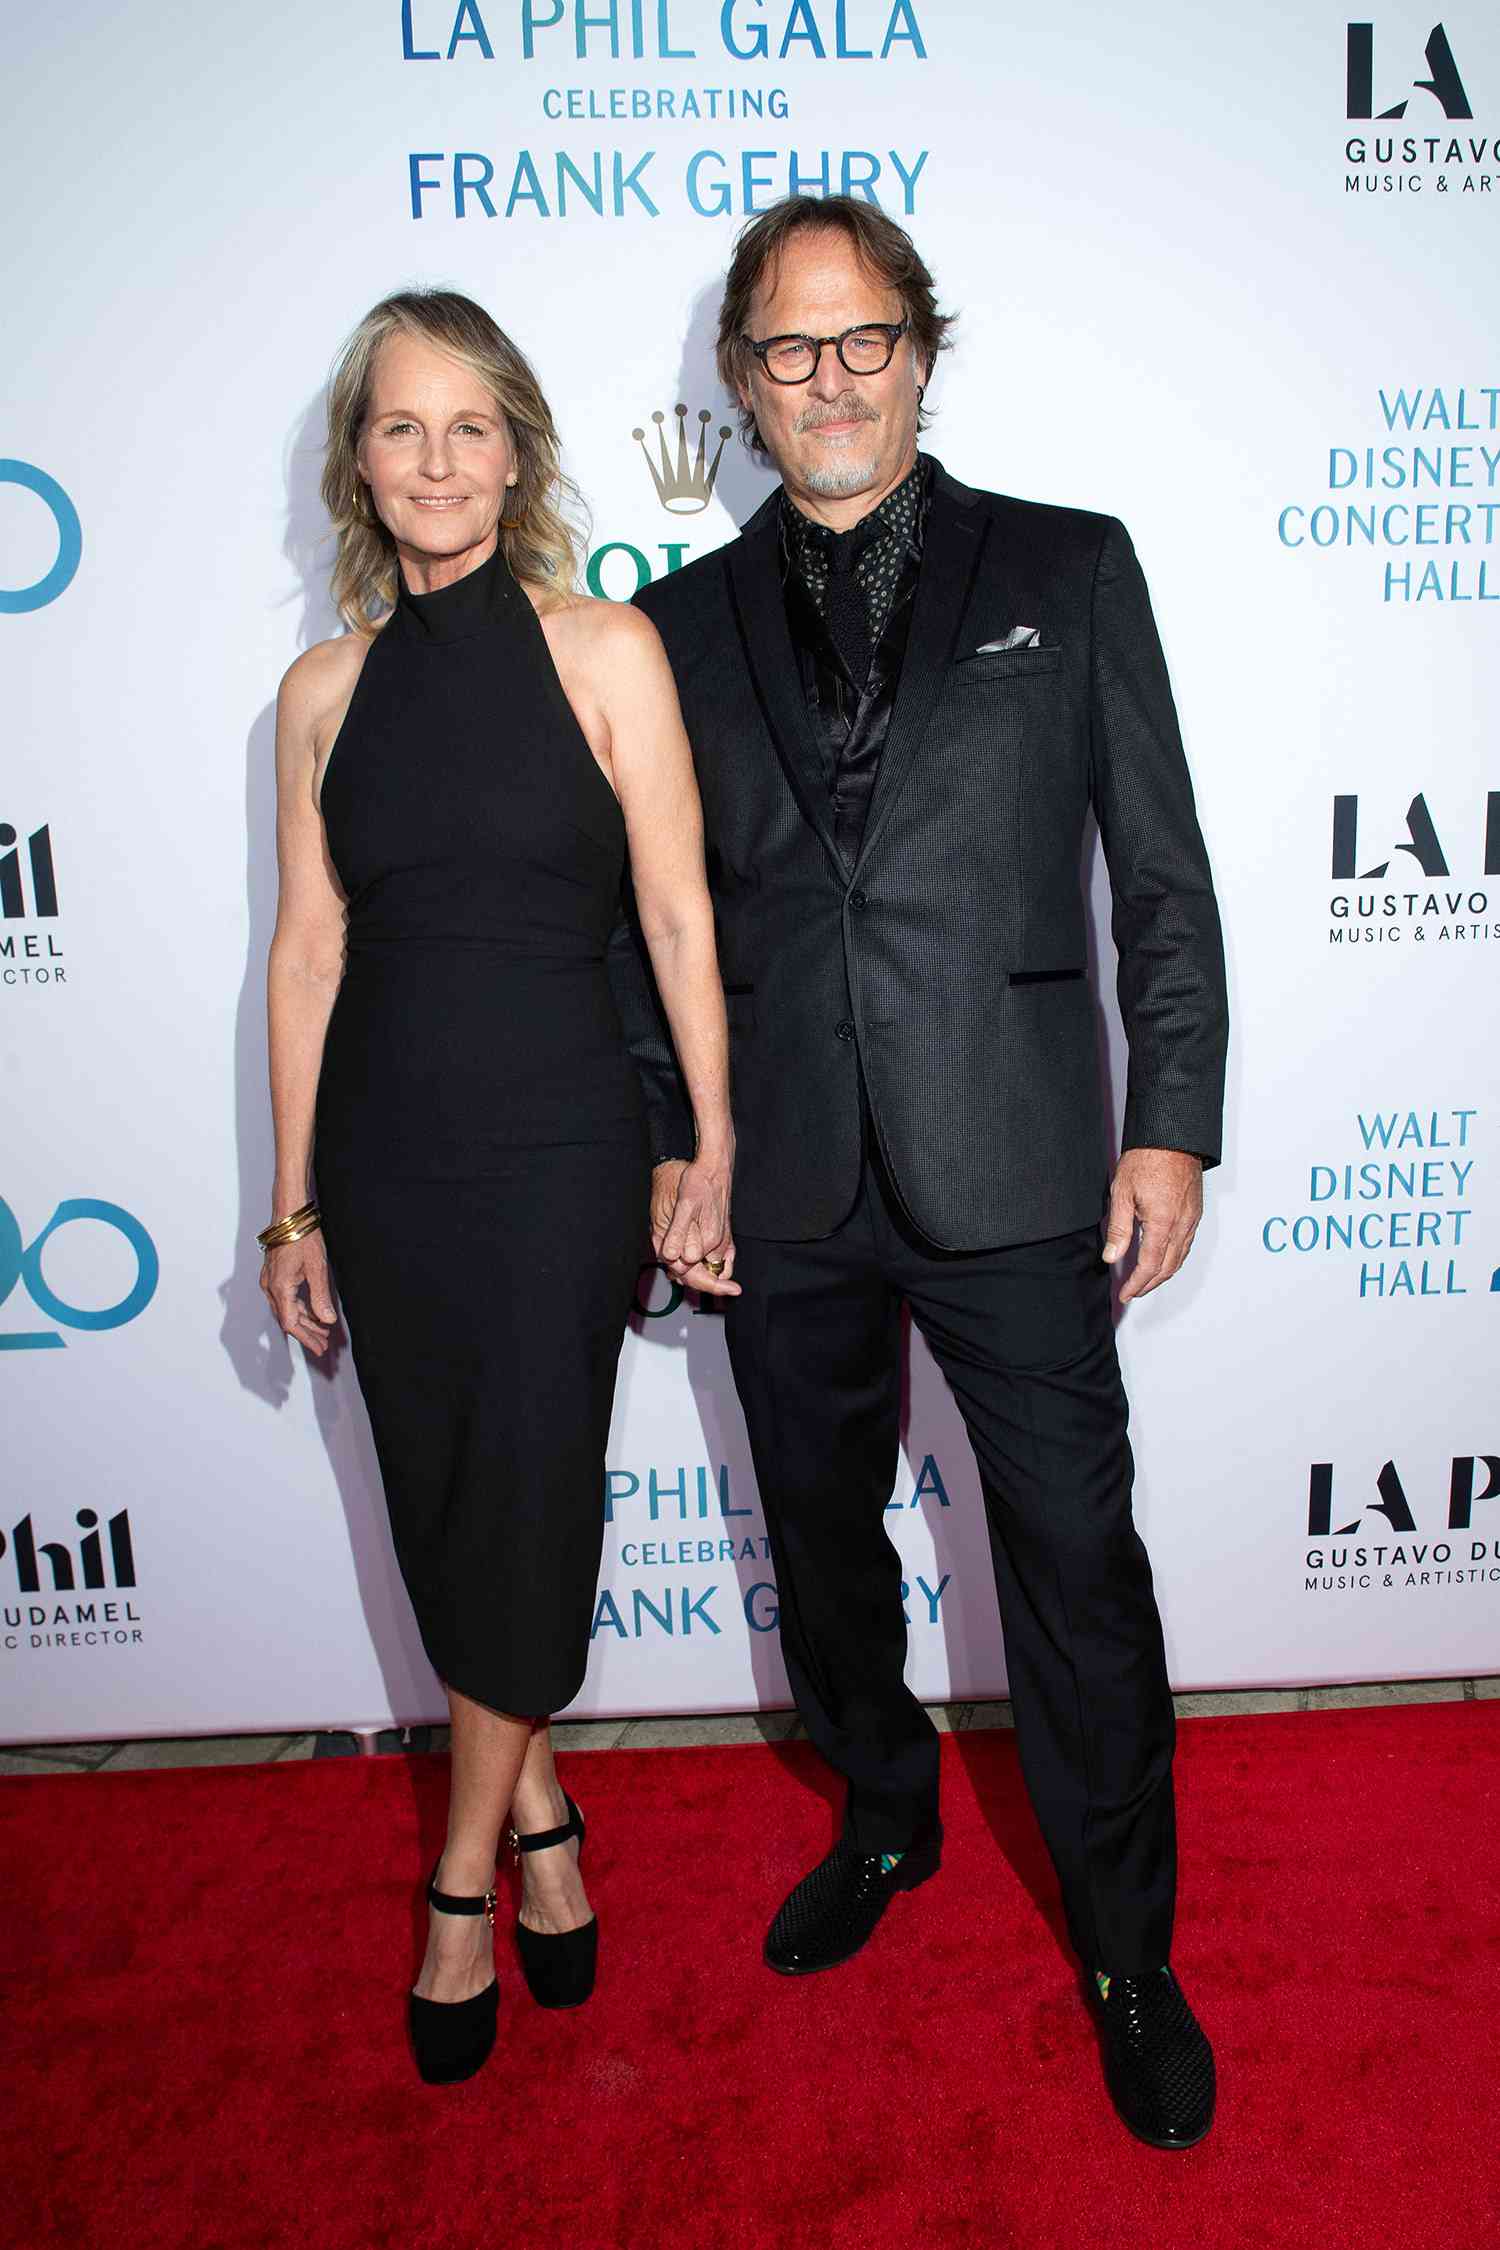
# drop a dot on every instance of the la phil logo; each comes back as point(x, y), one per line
point(1422, 842)
point(1449, 915)
point(66, 1571)
point(1391, 1501)
point(13, 903)
point(1400, 1554)
point(28, 893)
point(1429, 157)
point(101, 1564)
point(1444, 85)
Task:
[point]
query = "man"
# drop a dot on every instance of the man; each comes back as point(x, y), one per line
point(903, 698)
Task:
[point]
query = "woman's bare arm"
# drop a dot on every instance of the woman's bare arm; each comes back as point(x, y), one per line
point(303, 973)
point(651, 766)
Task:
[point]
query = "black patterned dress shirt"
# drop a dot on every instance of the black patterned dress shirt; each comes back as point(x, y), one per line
point(850, 703)
point(885, 542)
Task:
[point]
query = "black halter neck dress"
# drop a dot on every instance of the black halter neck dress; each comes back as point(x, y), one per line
point(481, 1152)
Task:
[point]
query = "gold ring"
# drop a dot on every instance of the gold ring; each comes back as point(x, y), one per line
point(715, 1266)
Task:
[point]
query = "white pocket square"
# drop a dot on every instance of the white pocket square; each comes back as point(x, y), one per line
point(1019, 636)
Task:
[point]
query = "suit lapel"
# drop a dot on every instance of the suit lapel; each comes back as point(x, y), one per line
point(957, 526)
point(759, 603)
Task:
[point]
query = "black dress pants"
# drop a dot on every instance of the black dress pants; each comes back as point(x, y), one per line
point(1025, 1339)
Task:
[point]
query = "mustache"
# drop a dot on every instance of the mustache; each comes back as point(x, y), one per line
point(850, 408)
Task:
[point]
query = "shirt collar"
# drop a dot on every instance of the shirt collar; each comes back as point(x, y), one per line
point(898, 521)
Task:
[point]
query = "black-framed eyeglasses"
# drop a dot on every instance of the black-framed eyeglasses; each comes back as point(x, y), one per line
point(866, 350)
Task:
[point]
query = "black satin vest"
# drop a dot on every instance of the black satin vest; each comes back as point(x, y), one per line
point(849, 721)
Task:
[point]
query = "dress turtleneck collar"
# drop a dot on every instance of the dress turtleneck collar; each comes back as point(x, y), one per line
point(472, 604)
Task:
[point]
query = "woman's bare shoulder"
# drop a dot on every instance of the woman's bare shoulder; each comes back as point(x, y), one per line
point(323, 676)
point(603, 632)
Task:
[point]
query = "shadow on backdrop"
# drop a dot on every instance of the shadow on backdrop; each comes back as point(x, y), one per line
point(745, 480)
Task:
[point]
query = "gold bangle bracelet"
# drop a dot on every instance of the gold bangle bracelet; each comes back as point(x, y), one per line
point(280, 1241)
point(295, 1234)
point(290, 1218)
point(273, 1236)
point(289, 1229)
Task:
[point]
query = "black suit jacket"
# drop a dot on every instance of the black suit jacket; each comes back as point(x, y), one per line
point(949, 966)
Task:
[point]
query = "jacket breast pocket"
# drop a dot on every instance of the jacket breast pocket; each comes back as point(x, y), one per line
point(1006, 664)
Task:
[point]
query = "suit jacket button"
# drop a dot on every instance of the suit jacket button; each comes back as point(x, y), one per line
point(843, 1030)
point(858, 901)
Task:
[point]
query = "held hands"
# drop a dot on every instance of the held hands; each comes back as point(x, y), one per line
point(1162, 1189)
point(287, 1272)
point(690, 1224)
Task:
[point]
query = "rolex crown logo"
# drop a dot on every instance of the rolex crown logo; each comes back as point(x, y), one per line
point(684, 486)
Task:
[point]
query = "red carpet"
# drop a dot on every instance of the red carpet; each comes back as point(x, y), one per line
point(205, 1975)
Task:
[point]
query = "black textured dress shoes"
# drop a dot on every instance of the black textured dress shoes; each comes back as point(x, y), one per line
point(1158, 2063)
point(834, 1910)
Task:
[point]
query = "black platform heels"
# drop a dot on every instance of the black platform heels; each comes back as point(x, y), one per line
point(559, 1968)
point(452, 2038)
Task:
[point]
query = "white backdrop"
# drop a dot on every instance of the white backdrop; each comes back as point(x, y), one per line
point(1204, 285)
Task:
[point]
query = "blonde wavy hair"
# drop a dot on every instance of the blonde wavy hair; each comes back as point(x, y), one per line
point(539, 542)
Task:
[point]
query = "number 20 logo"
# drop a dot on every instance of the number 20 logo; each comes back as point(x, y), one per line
point(23, 1262)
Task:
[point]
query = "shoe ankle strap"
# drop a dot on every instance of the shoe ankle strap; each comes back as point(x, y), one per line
point(447, 1903)
point(544, 1838)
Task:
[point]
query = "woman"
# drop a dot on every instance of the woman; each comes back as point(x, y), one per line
point(459, 777)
